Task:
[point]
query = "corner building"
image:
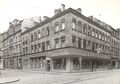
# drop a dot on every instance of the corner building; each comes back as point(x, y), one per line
point(66, 42)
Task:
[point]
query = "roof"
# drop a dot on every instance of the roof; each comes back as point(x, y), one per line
point(69, 10)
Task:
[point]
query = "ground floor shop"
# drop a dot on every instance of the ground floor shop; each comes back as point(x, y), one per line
point(64, 60)
point(67, 64)
point(13, 63)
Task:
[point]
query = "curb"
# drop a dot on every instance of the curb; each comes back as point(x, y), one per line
point(8, 82)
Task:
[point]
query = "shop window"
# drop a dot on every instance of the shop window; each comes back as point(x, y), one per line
point(86, 64)
point(76, 64)
point(59, 63)
point(56, 43)
point(63, 41)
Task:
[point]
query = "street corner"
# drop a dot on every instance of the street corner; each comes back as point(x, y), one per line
point(8, 80)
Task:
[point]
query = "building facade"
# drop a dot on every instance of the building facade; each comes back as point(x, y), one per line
point(12, 44)
point(66, 42)
point(69, 42)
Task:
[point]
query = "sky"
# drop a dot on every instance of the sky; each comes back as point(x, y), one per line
point(106, 10)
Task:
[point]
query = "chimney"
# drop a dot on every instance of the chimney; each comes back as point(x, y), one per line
point(56, 11)
point(62, 7)
point(40, 19)
point(45, 18)
point(90, 17)
point(79, 10)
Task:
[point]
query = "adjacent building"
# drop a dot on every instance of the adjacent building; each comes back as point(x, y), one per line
point(66, 42)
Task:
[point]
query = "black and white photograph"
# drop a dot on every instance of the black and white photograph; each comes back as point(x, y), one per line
point(59, 41)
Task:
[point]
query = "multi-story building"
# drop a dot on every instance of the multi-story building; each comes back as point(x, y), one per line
point(68, 41)
point(12, 51)
point(11, 41)
point(115, 48)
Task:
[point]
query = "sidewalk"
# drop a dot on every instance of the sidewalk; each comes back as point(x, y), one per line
point(5, 79)
point(8, 80)
point(11, 75)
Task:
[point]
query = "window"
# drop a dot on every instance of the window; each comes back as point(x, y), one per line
point(39, 47)
point(26, 41)
point(63, 41)
point(35, 47)
point(89, 30)
point(23, 51)
point(93, 46)
point(76, 64)
point(99, 35)
point(39, 34)
point(59, 63)
point(43, 46)
point(48, 30)
point(56, 27)
point(63, 24)
point(74, 41)
point(31, 48)
point(26, 50)
point(84, 44)
point(74, 23)
point(79, 26)
point(56, 43)
point(31, 37)
point(85, 28)
point(103, 36)
point(96, 33)
point(89, 45)
point(93, 32)
point(79, 42)
point(48, 45)
point(35, 36)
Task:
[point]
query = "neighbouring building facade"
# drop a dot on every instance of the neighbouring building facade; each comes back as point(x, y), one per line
point(12, 44)
point(11, 41)
point(67, 42)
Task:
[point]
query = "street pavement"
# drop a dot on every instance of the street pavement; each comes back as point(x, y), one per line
point(41, 77)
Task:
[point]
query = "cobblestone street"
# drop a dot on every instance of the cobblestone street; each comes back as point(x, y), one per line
point(38, 77)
